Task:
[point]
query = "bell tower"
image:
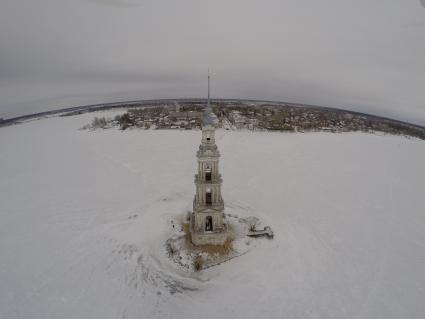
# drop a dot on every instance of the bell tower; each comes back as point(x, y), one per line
point(207, 222)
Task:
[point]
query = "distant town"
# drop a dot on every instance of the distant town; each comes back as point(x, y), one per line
point(238, 115)
point(186, 114)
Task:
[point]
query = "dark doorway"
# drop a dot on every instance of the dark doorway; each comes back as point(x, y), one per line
point(208, 198)
point(208, 223)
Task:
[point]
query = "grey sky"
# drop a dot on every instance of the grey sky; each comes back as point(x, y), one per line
point(366, 55)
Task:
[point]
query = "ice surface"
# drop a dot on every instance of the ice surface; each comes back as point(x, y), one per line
point(85, 215)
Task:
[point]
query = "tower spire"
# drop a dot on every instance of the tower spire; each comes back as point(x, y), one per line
point(208, 103)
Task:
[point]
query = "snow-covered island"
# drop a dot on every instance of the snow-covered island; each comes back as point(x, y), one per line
point(85, 215)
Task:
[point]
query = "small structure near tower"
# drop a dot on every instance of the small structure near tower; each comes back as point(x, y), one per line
point(207, 221)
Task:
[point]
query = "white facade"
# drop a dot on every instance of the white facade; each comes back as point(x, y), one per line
point(207, 222)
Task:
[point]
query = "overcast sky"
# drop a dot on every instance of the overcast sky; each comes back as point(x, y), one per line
point(365, 55)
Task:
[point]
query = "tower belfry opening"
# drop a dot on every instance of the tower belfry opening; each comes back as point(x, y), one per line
point(208, 198)
point(207, 222)
point(208, 175)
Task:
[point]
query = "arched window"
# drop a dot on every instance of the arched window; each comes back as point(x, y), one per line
point(208, 172)
point(208, 197)
point(208, 223)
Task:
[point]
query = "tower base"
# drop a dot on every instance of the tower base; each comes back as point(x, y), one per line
point(207, 237)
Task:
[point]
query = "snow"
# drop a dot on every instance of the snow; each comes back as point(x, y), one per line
point(85, 216)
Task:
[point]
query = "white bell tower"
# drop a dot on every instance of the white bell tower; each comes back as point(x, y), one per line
point(207, 222)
